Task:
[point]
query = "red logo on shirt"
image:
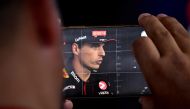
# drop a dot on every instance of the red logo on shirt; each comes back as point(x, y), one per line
point(102, 85)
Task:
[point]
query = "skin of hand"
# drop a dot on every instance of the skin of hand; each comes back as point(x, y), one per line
point(164, 58)
point(68, 104)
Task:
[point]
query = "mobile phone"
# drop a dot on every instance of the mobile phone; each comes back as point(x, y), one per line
point(99, 62)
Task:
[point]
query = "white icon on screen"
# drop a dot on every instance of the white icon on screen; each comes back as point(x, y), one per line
point(134, 67)
point(143, 34)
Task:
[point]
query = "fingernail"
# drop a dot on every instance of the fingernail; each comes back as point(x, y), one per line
point(67, 101)
point(68, 104)
point(143, 15)
point(162, 15)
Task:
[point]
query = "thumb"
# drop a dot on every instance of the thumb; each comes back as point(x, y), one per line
point(146, 102)
point(68, 104)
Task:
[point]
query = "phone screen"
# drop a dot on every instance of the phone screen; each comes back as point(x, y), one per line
point(99, 62)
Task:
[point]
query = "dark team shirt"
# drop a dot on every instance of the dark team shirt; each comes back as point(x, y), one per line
point(96, 85)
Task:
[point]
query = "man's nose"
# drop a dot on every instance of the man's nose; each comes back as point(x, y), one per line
point(102, 52)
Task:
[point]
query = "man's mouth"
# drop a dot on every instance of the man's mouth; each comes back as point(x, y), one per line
point(99, 62)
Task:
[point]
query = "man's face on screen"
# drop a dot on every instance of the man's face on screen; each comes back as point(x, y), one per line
point(91, 55)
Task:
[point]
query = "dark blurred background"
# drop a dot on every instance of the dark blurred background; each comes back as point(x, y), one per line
point(117, 12)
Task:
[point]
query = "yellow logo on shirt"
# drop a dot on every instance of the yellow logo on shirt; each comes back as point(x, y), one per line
point(65, 74)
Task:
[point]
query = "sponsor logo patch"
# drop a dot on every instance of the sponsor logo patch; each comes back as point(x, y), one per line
point(80, 38)
point(99, 33)
point(103, 93)
point(65, 74)
point(69, 87)
point(75, 77)
point(102, 85)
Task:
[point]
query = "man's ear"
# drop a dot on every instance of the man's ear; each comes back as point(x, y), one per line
point(45, 17)
point(75, 49)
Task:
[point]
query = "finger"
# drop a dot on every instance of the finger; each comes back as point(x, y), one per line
point(158, 34)
point(68, 104)
point(147, 102)
point(179, 33)
point(146, 54)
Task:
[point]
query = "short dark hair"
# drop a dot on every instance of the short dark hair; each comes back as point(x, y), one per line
point(80, 45)
point(85, 43)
